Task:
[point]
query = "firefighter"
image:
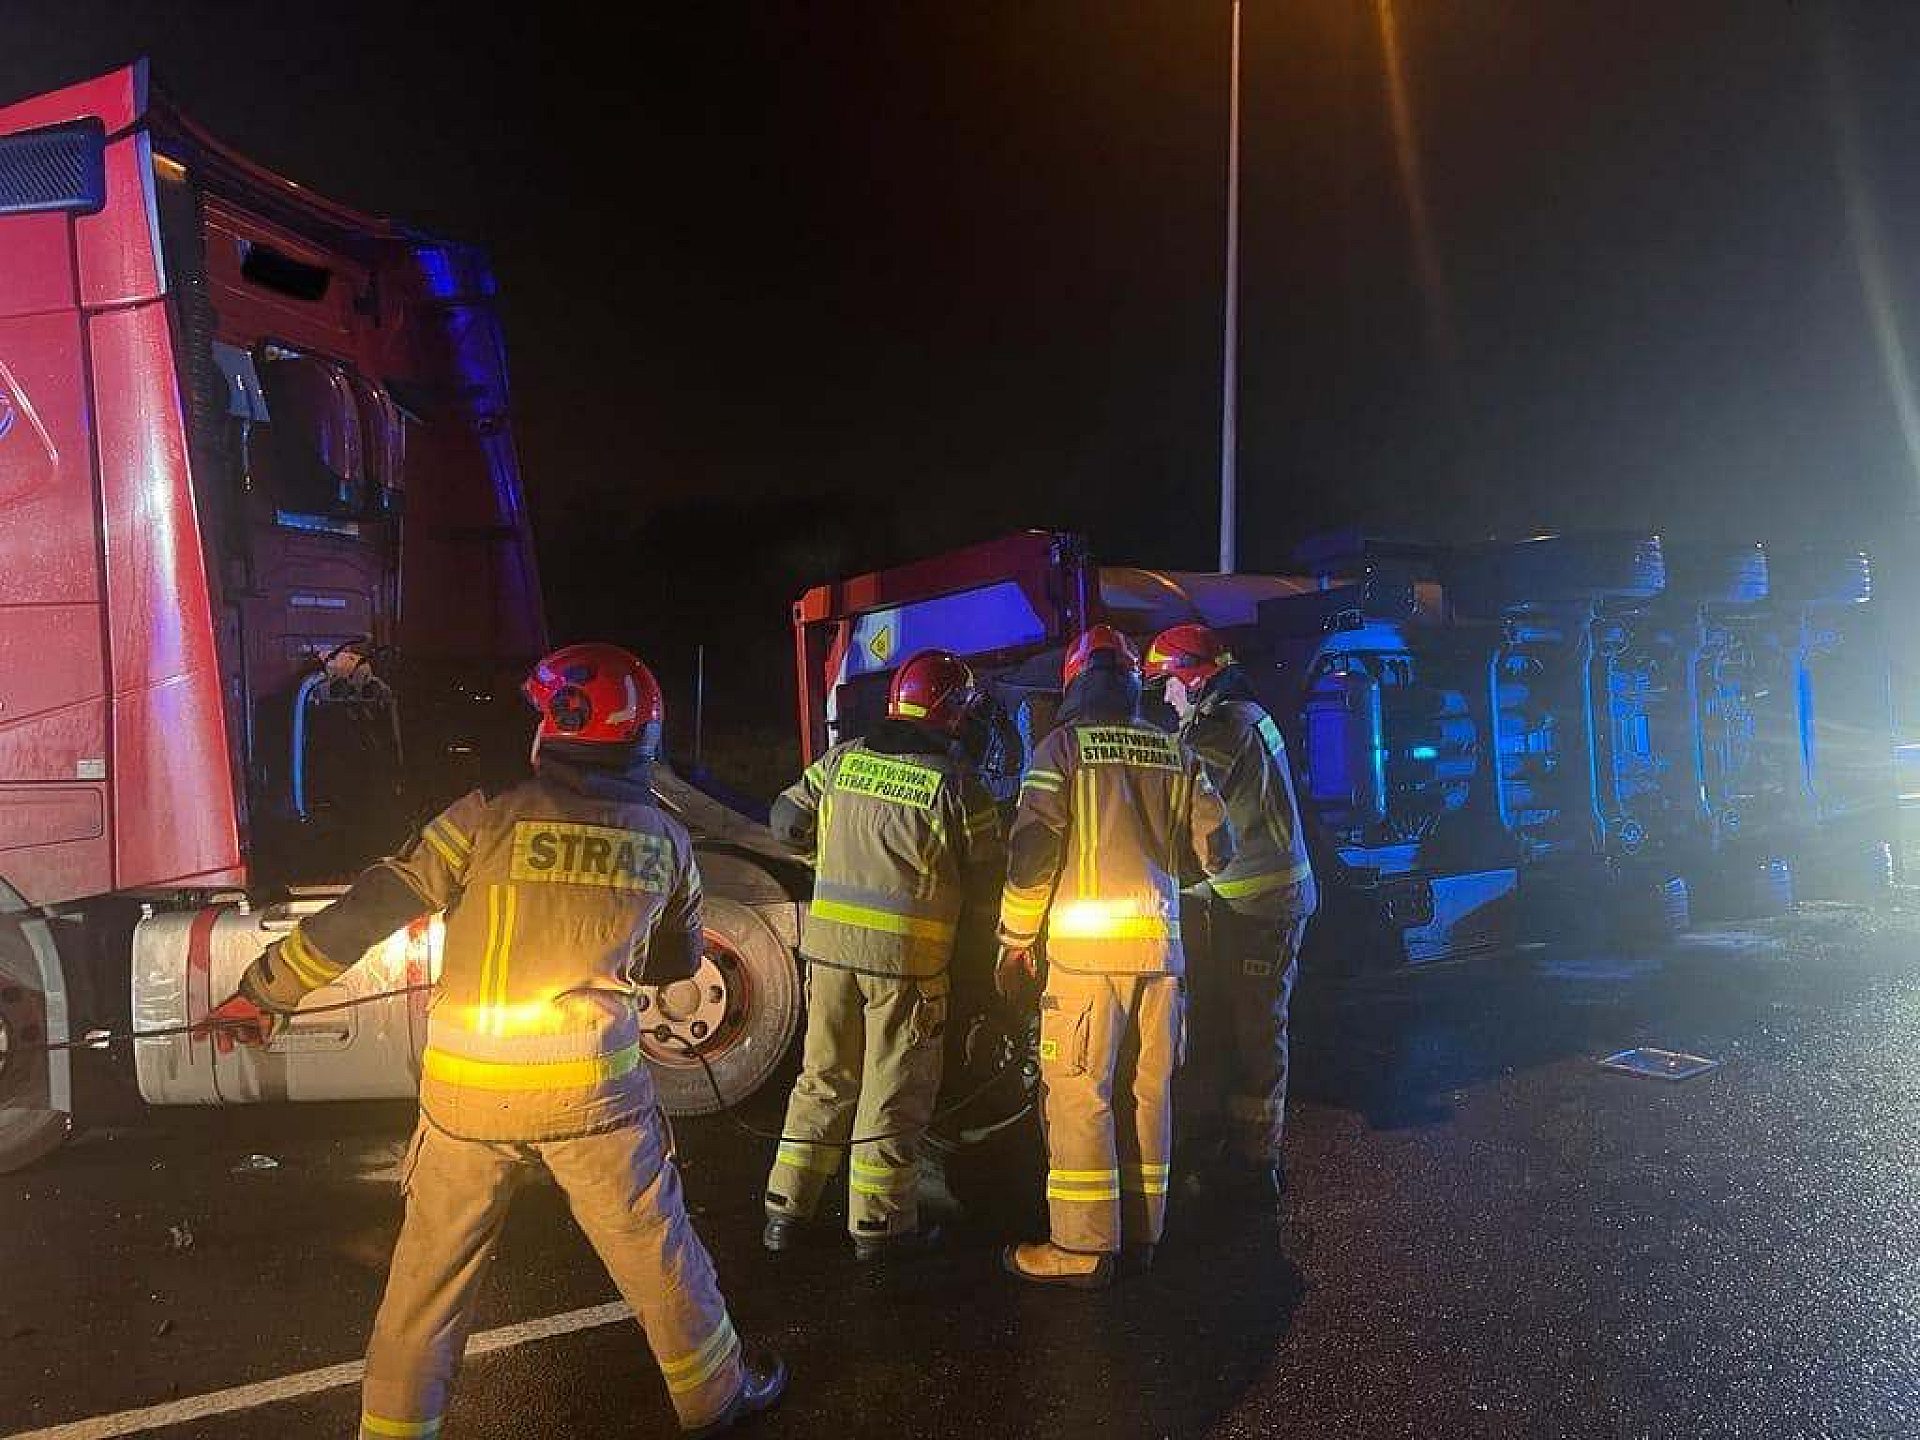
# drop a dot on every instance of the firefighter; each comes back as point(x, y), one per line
point(900, 832)
point(1110, 810)
point(1232, 1097)
point(561, 895)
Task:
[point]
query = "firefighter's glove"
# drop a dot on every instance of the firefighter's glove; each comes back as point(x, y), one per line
point(238, 1021)
point(1014, 973)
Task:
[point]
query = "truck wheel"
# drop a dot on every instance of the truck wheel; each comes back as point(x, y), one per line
point(36, 1094)
point(739, 1013)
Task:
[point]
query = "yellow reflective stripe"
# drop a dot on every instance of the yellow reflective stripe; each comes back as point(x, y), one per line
point(313, 968)
point(1081, 1177)
point(1261, 884)
point(1176, 832)
point(512, 916)
point(450, 834)
point(371, 1424)
point(1082, 786)
point(503, 906)
point(1088, 922)
point(691, 1371)
point(910, 710)
point(1085, 1197)
point(1021, 905)
point(1093, 832)
point(493, 943)
point(924, 889)
point(826, 816)
point(531, 1075)
point(453, 858)
point(871, 1179)
point(1145, 1179)
point(865, 917)
point(808, 1157)
point(1141, 927)
point(1054, 775)
point(1083, 826)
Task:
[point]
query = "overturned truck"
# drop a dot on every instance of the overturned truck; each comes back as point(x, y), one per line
point(1478, 732)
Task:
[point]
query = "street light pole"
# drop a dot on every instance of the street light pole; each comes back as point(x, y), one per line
point(1230, 377)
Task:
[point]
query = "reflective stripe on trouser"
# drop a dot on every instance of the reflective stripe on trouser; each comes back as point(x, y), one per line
point(870, 1066)
point(1108, 1047)
point(625, 1196)
point(1232, 1091)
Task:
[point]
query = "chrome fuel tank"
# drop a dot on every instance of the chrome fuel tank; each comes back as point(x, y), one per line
point(187, 962)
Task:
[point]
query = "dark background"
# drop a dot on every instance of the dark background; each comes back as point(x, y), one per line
point(801, 287)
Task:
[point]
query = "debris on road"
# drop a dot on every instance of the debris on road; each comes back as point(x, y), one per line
point(254, 1163)
point(1659, 1064)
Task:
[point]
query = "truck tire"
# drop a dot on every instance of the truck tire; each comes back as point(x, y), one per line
point(739, 1013)
point(36, 1094)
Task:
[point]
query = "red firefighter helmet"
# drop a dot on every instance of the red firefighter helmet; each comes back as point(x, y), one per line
point(1096, 640)
point(1191, 654)
point(934, 687)
point(596, 694)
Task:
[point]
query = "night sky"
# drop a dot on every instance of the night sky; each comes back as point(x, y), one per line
point(793, 287)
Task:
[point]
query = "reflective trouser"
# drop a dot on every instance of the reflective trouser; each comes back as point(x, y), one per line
point(870, 1066)
point(1232, 1092)
point(1109, 1045)
point(626, 1196)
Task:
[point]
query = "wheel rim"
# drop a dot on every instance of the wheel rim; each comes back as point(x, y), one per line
point(706, 1015)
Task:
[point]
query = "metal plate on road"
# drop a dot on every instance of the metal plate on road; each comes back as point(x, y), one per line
point(1659, 1064)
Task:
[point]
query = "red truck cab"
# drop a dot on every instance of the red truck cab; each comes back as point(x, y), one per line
point(265, 565)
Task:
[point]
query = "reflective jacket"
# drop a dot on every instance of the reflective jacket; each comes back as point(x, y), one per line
point(1244, 756)
point(1109, 816)
point(561, 894)
point(900, 832)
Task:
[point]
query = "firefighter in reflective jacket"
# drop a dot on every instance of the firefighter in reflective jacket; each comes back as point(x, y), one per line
point(901, 834)
point(1231, 1099)
point(561, 895)
point(1111, 810)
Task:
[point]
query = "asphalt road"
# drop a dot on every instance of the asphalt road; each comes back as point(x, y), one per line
point(1487, 1235)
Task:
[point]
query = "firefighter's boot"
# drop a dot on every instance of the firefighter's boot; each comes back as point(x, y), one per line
point(787, 1232)
point(763, 1380)
point(1044, 1263)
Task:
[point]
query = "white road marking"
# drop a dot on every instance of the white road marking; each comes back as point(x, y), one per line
point(309, 1382)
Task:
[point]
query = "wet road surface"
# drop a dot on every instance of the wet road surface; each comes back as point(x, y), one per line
point(1486, 1235)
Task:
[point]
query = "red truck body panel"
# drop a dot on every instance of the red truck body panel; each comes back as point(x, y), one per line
point(148, 604)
